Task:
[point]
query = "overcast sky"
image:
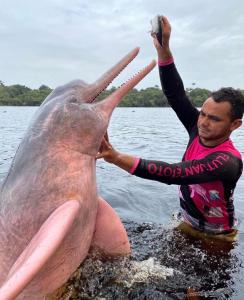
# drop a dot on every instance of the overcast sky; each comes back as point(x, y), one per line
point(54, 41)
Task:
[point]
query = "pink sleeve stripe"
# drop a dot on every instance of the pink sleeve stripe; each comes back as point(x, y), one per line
point(135, 164)
point(162, 63)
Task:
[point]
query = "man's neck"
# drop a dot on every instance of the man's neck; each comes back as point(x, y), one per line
point(213, 143)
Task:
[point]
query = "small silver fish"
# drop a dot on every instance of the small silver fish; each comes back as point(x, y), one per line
point(156, 27)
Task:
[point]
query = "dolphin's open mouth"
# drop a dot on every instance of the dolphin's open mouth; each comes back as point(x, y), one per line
point(103, 82)
point(111, 101)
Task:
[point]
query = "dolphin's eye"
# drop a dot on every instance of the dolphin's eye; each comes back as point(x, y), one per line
point(73, 100)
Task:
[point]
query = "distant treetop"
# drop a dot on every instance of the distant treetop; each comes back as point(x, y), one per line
point(21, 95)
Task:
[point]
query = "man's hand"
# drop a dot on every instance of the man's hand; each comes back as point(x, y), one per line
point(110, 155)
point(106, 151)
point(164, 52)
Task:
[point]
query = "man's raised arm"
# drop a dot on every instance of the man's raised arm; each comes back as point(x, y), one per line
point(171, 81)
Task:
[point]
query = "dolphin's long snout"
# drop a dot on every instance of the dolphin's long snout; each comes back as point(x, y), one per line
point(107, 106)
point(110, 75)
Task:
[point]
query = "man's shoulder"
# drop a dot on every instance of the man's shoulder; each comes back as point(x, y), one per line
point(229, 147)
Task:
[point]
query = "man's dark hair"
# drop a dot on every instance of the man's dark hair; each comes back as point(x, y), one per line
point(234, 97)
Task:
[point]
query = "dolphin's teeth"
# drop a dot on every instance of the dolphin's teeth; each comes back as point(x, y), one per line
point(121, 70)
point(93, 99)
point(133, 76)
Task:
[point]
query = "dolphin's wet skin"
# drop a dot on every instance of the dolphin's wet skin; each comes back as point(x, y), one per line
point(50, 210)
point(164, 264)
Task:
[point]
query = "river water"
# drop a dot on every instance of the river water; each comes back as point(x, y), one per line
point(173, 262)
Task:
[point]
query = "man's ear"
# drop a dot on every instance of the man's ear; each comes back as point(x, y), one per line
point(236, 124)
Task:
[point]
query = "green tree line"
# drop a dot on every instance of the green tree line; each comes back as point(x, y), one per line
point(20, 95)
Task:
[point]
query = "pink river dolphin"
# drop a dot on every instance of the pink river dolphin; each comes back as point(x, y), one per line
point(50, 211)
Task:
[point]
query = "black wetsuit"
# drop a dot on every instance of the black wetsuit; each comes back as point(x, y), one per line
point(207, 175)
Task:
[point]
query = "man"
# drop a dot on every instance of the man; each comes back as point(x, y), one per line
point(211, 165)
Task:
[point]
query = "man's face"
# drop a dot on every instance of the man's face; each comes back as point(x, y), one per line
point(215, 123)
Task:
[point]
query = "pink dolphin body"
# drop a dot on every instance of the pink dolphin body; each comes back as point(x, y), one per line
point(50, 212)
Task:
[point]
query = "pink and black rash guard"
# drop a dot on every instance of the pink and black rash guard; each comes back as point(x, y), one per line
point(206, 176)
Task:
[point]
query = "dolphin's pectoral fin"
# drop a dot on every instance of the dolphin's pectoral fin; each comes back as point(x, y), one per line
point(110, 235)
point(42, 246)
